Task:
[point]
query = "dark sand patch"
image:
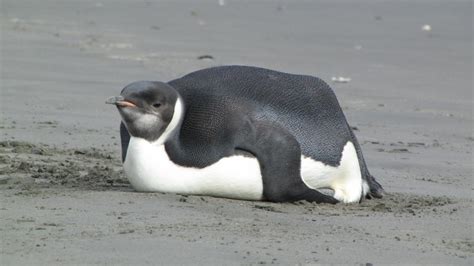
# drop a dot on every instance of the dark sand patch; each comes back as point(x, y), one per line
point(28, 167)
point(24, 164)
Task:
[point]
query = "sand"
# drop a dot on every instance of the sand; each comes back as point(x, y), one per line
point(64, 198)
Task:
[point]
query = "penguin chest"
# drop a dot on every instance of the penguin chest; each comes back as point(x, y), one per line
point(149, 168)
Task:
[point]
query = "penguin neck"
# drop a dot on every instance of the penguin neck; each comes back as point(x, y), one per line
point(170, 137)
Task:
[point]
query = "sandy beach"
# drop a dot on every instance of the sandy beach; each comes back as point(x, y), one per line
point(64, 199)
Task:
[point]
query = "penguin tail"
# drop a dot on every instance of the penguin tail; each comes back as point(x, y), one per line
point(376, 190)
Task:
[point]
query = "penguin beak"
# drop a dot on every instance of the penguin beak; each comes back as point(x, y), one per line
point(120, 101)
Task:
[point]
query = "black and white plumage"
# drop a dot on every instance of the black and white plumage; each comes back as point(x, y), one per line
point(241, 132)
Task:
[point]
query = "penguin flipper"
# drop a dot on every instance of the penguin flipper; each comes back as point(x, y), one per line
point(124, 140)
point(279, 156)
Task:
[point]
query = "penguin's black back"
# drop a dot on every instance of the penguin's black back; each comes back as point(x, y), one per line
point(304, 105)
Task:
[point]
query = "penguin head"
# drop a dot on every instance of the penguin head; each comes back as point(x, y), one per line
point(149, 109)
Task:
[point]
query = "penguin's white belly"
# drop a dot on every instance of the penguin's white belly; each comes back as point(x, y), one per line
point(149, 168)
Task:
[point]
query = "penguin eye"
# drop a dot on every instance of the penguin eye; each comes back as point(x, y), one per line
point(156, 105)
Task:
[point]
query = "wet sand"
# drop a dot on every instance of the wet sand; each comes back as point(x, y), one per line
point(64, 198)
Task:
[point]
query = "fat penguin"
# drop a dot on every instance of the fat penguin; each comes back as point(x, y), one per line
point(241, 132)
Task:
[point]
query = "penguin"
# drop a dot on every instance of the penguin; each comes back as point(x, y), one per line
point(241, 132)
